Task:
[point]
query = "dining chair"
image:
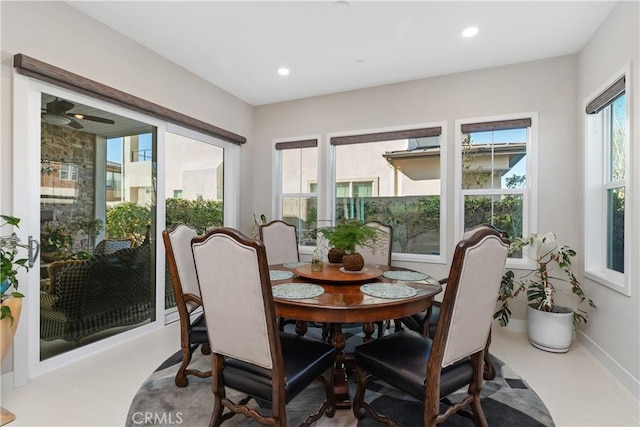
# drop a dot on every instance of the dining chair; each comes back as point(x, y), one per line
point(281, 242)
point(182, 271)
point(426, 321)
point(431, 369)
point(380, 253)
point(249, 353)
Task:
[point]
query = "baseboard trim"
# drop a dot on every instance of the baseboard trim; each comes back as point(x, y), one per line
point(6, 382)
point(514, 325)
point(619, 372)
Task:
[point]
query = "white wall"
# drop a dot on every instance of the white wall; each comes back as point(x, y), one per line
point(547, 86)
point(613, 332)
point(59, 35)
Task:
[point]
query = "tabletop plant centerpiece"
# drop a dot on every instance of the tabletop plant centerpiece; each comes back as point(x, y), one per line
point(343, 239)
point(549, 326)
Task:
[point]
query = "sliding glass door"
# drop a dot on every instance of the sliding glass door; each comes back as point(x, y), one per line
point(97, 216)
point(194, 187)
point(95, 185)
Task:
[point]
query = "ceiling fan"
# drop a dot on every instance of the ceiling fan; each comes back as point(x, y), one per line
point(57, 113)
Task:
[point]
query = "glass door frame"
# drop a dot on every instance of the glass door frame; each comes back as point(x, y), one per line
point(26, 201)
point(230, 190)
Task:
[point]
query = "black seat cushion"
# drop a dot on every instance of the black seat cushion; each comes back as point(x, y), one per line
point(400, 359)
point(416, 321)
point(305, 359)
point(198, 331)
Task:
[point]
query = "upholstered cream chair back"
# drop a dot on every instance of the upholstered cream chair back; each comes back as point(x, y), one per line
point(470, 232)
point(178, 246)
point(380, 253)
point(467, 310)
point(281, 242)
point(230, 275)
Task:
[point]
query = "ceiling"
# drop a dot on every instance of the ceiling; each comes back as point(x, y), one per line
point(334, 46)
point(122, 126)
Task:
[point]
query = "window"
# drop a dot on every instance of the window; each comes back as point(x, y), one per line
point(493, 174)
point(393, 177)
point(113, 180)
point(297, 162)
point(68, 172)
point(606, 165)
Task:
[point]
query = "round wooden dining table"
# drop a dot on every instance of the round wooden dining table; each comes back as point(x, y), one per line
point(343, 301)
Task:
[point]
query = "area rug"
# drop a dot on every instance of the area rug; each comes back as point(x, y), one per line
point(507, 400)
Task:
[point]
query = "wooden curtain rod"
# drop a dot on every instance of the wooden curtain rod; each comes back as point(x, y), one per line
point(31, 67)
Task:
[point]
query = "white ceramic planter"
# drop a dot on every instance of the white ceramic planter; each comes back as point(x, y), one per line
point(550, 331)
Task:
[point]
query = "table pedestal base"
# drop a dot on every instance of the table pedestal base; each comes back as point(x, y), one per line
point(341, 389)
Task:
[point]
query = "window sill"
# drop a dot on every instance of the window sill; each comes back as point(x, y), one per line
point(612, 280)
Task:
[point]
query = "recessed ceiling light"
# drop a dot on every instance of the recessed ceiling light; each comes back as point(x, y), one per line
point(359, 61)
point(283, 71)
point(340, 5)
point(470, 32)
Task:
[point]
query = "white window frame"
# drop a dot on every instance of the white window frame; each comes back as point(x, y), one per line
point(529, 194)
point(596, 184)
point(328, 192)
point(276, 207)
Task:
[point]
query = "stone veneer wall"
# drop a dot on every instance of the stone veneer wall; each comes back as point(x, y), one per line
point(67, 145)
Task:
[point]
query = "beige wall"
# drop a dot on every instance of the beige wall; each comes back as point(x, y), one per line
point(547, 86)
point(613, 332)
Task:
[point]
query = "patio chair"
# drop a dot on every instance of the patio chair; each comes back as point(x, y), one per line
point(108, 246)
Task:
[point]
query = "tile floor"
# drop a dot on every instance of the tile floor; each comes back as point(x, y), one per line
point(97, 390)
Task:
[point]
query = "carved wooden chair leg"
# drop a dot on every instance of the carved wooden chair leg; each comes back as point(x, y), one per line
point(205, 349)
point(489, 372)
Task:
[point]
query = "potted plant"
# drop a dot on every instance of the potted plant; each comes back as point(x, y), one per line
point(10, 305)
point(343, 239)
point(9, 248)
point(549, 326)
point(55, 242)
